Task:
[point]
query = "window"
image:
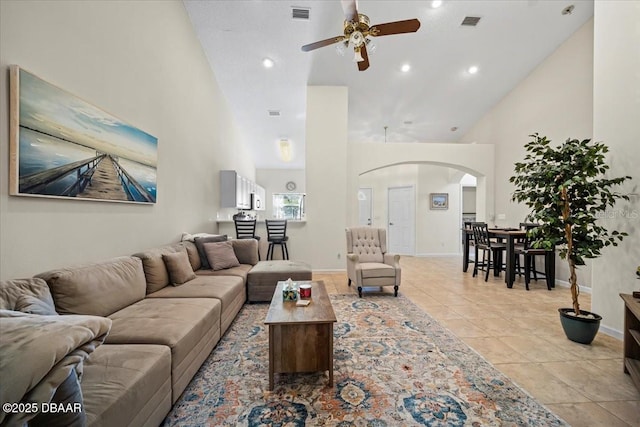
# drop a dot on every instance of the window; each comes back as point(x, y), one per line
point(288, 205)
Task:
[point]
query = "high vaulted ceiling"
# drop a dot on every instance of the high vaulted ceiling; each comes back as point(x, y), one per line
point(437, 100)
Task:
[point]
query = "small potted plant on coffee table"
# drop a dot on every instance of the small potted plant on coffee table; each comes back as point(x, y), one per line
point(567, 191)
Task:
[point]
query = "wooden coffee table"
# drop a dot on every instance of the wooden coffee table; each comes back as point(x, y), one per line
point(301, 338)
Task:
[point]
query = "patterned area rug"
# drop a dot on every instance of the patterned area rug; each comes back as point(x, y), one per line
point(393, 366)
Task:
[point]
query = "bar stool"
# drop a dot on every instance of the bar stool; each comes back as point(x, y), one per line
point(246, 229)
point(277, 235)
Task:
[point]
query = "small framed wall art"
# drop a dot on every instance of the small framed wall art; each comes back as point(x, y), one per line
point(439, 201)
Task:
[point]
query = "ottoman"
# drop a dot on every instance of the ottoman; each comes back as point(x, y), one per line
point(264, 276)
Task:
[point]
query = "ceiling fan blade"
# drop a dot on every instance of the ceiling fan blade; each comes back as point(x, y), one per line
point(322, 43)
point(350, 8)
point(398, 27)
point(363, 65)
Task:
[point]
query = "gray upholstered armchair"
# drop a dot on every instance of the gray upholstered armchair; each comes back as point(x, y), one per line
point(368, 263)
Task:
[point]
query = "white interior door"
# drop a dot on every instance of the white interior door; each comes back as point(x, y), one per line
point(401, 234)
point(365, 206)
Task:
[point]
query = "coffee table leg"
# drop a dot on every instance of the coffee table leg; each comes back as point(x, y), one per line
point(271, 357)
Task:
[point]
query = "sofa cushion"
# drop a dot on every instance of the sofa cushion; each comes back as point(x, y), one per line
point(229, 290)
point(155, 270)
point(194, 256)
point(376, 269)
point(240, 271)
point(179, 267)
point(221, 255)
point(200, 241)
point(97, 289)
point(127, 385)
point(19, 295)
point(179, 323)
point(246, 250)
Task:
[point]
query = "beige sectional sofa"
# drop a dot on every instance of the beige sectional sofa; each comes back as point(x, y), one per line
point(160, 334)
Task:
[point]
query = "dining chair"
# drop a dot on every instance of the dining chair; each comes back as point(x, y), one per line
point(491, 251)
point(246, 229)
point(529, 255)
point(277, 235)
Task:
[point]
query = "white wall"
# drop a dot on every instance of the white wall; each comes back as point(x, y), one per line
point(142, 62)
point(326, 174)
point(616, 114)
point(556, 100)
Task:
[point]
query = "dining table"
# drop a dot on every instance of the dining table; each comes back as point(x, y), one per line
point(509, 236)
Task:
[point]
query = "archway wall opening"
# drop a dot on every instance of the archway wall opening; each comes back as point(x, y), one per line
point(429, 168)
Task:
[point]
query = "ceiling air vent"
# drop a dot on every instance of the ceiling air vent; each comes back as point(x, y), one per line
point(470, 21)
point(300, 13)
point(274, 113)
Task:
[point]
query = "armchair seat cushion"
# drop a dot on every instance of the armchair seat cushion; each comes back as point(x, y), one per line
point(376, 269)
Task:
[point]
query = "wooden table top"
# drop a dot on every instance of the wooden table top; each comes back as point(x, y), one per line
point(632, 303)
point(287, 312)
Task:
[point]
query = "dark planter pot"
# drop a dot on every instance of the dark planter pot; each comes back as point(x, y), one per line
point(579, 329)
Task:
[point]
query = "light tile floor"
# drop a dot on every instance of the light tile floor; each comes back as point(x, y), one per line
point(519, 332)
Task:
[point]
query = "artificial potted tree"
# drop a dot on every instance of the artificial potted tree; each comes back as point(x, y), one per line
point(567, 191)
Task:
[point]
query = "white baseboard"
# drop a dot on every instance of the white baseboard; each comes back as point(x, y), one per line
point(437, 255)
point(565, 284)
point(611, 332)
point(328, 270)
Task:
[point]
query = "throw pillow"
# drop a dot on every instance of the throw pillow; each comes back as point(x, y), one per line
point(32, 305)
point(200, 241)
point(221, 255)
point(179, 267)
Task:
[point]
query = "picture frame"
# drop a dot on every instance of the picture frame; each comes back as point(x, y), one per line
point(439, 201)
point(63, 147)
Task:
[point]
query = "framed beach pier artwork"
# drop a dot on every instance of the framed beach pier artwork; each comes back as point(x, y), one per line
point(61, 146)
point(439, 201)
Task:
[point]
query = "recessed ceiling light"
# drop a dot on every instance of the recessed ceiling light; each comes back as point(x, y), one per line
point(473, 69)
point(267, 62)
point(436, 4)
point(405, 68)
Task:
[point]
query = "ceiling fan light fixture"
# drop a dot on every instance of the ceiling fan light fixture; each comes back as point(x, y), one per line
point(371, 45)
point(356, 39)
point(341, 48)
point(358, 56)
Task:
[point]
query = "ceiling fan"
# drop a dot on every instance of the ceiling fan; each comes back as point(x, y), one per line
point(358, 33)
